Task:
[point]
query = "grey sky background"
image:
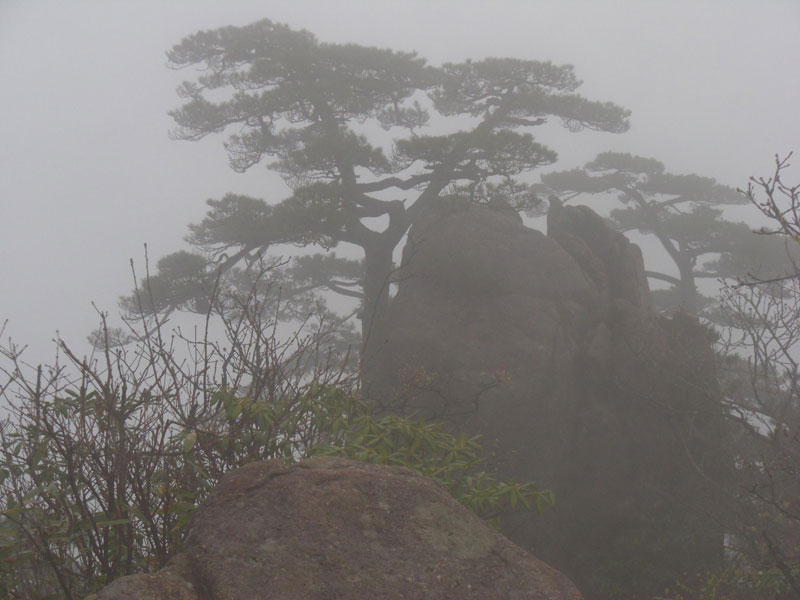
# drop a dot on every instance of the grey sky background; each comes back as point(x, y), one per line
point(88, 173)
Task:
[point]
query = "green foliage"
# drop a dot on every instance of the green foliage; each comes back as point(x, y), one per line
point(103, 466)
point(103, 460)
point(453, 460)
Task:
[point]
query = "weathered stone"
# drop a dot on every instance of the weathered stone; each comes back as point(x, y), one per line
point(605, 255)
point(547, 346)
point(480, 293)
point(329, 529)
point(171, 583)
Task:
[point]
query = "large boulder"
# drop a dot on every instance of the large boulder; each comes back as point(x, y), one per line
point(329, 529)
point(548, 346)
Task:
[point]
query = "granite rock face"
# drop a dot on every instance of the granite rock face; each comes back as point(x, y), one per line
point(548, 346)
point(329, 529)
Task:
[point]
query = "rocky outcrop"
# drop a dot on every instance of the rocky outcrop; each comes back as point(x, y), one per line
point(334, 529)
point(547, 346)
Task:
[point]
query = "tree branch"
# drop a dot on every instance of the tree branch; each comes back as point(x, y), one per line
point(663, 277)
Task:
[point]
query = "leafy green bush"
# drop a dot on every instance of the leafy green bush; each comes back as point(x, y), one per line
point(455, 460)
point(103, 460)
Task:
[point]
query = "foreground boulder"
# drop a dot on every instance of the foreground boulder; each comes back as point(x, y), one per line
point(548, 346)
point(329, 529)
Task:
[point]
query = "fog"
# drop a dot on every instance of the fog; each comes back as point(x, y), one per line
point(88, 173)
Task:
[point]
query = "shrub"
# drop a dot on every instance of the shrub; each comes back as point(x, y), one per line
point(103, 460)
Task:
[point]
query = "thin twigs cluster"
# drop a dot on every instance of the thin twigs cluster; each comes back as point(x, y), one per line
point(103, 459)
point(763, 351)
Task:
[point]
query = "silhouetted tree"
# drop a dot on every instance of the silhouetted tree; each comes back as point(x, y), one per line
point(682, 212)
point(313, 108)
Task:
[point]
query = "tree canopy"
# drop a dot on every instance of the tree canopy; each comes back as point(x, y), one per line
point(683, 213)
point(313, 112)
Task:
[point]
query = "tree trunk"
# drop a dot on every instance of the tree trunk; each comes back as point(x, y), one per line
point(377, 277)
point(687, 288)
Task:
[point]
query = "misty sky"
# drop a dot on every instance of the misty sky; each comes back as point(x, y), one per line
point(88, 173)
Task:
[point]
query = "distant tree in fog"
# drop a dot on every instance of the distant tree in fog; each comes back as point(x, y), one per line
point(313, 109)
point(761, 379)
point(683, 213)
